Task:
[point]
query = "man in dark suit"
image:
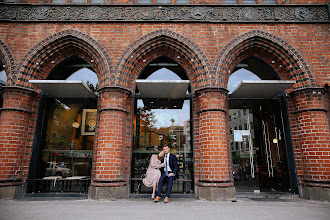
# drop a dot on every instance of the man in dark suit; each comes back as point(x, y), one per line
point(169, 171)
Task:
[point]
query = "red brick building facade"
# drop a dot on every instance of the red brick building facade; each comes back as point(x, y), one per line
point(291, 36)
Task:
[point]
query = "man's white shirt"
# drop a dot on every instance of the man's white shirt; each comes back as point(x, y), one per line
point(167, 158)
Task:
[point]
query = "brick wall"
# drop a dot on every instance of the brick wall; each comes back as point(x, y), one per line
point(214, 162)
point(110, 164)
point(208, 52)
point(18, 115)
point(310, 133)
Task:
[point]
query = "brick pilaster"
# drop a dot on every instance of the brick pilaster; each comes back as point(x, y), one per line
point(310, 134)
point(111, 150)
point(16, 132)
point(214, 160)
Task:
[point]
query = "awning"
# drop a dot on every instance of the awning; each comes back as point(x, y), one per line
point(172, 89)
point(64, 88)
point(168, 94)
point(262, 89)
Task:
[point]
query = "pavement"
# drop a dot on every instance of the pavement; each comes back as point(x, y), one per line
point(178, 208)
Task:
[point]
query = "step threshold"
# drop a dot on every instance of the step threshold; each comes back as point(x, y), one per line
point(265, 195)
point(145, 196)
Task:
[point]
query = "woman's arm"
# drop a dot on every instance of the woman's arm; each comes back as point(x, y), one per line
point(154, 162)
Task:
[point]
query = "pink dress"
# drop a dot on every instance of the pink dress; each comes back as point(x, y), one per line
point(153, 172)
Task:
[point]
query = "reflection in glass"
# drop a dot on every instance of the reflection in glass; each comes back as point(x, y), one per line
point(155, 128)
point(259, 163)
point(65, 151)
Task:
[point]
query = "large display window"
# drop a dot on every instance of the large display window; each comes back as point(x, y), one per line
point(162, 116)
point(66, 147)
point(155, 128)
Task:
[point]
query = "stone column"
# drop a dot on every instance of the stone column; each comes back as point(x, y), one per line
point(110, 176)
point(215, 180)
point(17, 114)
point(311, 139)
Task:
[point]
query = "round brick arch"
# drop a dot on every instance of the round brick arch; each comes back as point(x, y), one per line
point(6, 59)
point(44, 56)
point(282, 57)
point(158, 43)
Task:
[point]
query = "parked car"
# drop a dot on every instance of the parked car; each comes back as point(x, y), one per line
point(56, 169)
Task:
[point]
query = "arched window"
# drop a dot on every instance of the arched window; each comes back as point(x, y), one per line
point(66, 123)
point(162, 116)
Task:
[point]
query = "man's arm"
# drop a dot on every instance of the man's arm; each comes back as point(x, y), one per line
point(176, 165)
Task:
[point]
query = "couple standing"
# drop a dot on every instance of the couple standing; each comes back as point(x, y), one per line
point(162, 167)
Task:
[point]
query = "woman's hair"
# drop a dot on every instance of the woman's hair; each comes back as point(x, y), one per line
point(159, 158)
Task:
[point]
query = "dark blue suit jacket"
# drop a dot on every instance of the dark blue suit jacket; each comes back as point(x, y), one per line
point(173, 162)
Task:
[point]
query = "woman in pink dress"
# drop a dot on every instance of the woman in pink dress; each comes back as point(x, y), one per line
point(153, 172)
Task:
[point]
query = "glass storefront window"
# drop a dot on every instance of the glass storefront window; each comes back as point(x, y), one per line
point(155, 128)
point(67, 144)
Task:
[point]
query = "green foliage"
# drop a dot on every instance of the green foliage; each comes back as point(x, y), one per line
point(91, 86)
point(148, 116)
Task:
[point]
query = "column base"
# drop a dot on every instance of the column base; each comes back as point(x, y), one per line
point(216, 193)
point(12, 192)
point(315, 193)
point(108, 193)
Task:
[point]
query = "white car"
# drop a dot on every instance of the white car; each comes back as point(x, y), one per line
point(55, 169)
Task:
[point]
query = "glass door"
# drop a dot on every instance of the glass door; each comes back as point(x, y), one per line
point(258, 146)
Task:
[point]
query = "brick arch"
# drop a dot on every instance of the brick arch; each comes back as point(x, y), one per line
point(158, 43)
point(289, 63)
point(44, 56)
point(7, 59)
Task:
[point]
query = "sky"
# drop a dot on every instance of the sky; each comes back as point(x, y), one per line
point(163, 74)
point(84, 75)
point(3, 76)
point(236, 78)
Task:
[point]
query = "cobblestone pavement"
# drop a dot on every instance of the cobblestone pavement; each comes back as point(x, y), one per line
point(244, 208)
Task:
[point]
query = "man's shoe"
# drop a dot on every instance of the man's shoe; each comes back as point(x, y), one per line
point(157, 199)
point(166, 200)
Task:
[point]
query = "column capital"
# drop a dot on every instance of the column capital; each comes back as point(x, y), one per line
point(113, 99)
point(19, 89)
point(198, 92)
point(308, 90)
point(212, 100)
point(19, 99)
point(308, 99)
point(114, 89)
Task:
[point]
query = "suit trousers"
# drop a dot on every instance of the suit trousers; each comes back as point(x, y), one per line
point(162, 179)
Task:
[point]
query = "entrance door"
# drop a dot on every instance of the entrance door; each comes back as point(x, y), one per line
point(259, 138)
point(259, 155)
